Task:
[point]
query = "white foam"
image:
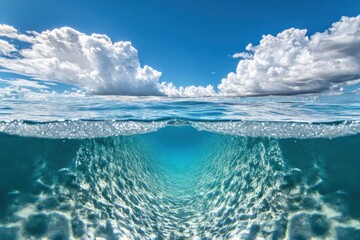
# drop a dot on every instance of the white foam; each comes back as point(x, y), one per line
point(281, 129)
point(79, 129)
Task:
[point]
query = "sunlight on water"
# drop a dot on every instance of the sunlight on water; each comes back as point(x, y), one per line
point(179, 182)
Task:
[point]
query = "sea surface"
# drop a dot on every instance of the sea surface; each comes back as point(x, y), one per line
point(75, 166)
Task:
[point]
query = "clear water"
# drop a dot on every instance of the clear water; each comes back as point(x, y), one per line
point(86, 167)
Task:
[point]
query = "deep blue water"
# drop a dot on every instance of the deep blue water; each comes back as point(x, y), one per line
point(149, 168)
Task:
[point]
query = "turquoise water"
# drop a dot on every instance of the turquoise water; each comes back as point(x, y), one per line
point(151, 168)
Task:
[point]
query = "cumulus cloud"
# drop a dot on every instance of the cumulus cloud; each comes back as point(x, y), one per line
point(289, 63)
point(292, 62)
point(11, 32)
point(92, 62)
point(8, 31)
point(190, 91)
point(6, 48)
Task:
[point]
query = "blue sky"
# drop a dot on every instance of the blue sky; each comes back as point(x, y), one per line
point(190, 42)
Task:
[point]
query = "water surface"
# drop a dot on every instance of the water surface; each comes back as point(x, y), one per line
point(156, 168)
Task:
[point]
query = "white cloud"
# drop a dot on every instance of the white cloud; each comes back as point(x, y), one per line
point(8, 31)
point(92, 62)
point(191, 91)
point(25, 83)
point(293, 63)
point(245, 55)
point(6, 48)
point(11, 32)
point(289, 63)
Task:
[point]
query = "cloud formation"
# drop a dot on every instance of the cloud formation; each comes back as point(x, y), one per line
point(89, 61)
point(25, 83)
point(6, 48)
point(292, 62)
point(190, 91)
point(289, 63)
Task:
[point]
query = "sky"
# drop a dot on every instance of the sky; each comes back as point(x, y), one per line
point(177, 44)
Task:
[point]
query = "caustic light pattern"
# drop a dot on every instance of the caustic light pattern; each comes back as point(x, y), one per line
point(178, 182)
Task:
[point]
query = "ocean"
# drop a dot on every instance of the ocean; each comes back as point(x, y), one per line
point(106, 167)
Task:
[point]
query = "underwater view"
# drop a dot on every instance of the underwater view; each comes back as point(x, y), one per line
point(180, 175)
